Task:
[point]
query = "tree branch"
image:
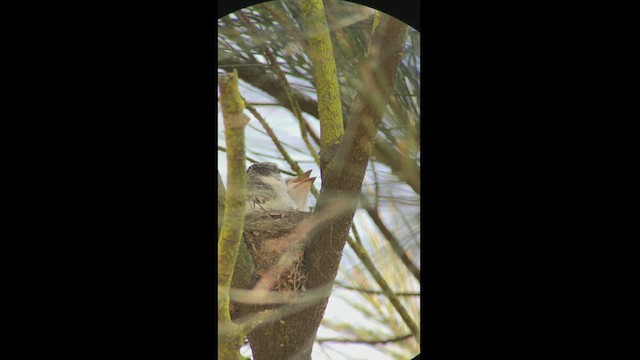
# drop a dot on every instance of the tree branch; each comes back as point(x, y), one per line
point(343, 175)
point(366, 261)
point(395, 244)
point(231, 232)
point(257, 77)
point(294, 165)
point(325, 73)
point(374, 292)
point(244, 268)
point(222, 194)
point(364, 341)
point(401, 165)
point(223, 149)
point(287, 88)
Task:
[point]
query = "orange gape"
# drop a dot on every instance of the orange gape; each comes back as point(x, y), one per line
point(298, 189)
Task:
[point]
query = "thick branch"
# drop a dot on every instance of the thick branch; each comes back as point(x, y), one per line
point(222, 194)
point(342, 178)
point(235, 121)
point(324, 66)
point(244, 268)
point(344, 175)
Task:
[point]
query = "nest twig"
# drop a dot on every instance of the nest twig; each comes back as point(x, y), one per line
point(275, 248)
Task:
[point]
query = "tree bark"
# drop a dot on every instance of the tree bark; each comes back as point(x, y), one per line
point(230, 335)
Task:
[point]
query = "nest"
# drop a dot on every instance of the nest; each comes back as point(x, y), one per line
point(276, 249)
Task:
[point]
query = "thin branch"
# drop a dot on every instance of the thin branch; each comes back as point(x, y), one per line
point(223, 149)
point(260, 79)
point(252, 160)
point(399, 163)
point(294, 165)
point(305, 299)
point(402, 166)
point(368, 263)
point(376, 183)
point(383, 152)
point(231, 66)
point(265, 104)
point(282, 142)
point(364, 341)
point(320, 51)
point(395, 244)
point(355, 232)
point(287, 88)
point(374, 292)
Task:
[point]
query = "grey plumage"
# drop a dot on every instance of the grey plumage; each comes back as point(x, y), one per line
point(266, 189)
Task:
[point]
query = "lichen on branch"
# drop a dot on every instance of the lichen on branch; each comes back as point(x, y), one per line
point(230, 336)
point(325, 73)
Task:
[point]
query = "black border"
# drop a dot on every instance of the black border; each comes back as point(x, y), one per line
point(406, 10)
point(119, 179)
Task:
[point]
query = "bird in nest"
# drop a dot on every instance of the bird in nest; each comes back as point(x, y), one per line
point(267, 190)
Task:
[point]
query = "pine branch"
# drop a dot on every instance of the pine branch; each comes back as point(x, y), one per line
point(395, 244)
point(370, 266)
point(374, 292)
point(223, 149)
point(287, 88)
point(257, 77)
point(365, 341)
point(293, 164)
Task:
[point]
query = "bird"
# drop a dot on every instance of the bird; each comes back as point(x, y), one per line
point(267, 190)
point(298, 189)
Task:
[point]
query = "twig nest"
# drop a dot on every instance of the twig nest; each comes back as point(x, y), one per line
point(268, 236)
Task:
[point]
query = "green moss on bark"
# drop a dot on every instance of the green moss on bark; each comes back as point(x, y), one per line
point(324, 66)
point(231, 336)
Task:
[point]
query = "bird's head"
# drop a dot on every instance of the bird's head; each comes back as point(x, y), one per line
point(264, 169)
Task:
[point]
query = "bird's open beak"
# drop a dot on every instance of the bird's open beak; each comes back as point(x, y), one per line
point(299, 184)
point(299, 191)
point(305, 183)
point(300, 178)
point(299, 188)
